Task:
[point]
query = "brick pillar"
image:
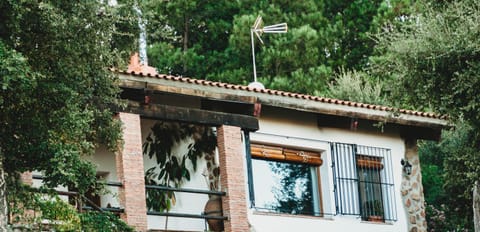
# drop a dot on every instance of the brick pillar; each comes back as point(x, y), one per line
point(232, 178)
point(129, 162)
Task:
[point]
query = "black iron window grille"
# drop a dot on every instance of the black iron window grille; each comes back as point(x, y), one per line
point(363, 182)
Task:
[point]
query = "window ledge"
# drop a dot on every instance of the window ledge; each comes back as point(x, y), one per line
point(326, 217)
point(377, 223)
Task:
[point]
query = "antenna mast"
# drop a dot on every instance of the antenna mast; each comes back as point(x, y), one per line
point(258, 29)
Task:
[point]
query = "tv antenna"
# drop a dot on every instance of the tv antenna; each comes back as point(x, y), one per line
point(258, 29)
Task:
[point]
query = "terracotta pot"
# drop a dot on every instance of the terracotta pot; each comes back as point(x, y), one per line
point(374, 218)
point(214, 208)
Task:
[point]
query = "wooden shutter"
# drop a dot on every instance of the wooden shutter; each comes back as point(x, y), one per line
point(365, 161)
point(259, 151)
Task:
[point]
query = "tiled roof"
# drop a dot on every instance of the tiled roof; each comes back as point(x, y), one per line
point(283, 94)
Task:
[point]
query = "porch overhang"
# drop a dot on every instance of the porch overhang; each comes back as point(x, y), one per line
point(429, 125)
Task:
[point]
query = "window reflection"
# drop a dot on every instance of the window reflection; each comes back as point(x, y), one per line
point(285, 187)
point(370, 193)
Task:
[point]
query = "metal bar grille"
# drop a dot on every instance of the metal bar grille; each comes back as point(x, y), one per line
point(346, 179)
point(363, 181)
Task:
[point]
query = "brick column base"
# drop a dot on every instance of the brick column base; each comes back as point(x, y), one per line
point(232, 178)
point(130, 171)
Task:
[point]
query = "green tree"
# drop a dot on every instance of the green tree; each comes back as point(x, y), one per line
point(189, 37)
point(56, 89)
point(432, 62)
point(357, 86)
point(211, 39)
point(443, 181)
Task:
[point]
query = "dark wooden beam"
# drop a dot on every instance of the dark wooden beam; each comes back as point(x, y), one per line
point(411, 132)
point(352, 123)
point(227, 107)
point(191, 115)
point(189, 90)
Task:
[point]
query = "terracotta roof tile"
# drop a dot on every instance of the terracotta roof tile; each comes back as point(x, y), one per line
point(281, 93)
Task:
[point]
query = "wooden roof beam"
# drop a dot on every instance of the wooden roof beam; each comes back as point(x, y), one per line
point(190, 115)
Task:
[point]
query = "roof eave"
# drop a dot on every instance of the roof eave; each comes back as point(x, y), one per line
point(229, 92)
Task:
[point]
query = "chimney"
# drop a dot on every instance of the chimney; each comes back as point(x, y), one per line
point(136, 66)
point(139, 62)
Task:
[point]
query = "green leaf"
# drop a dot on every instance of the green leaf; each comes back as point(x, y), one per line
point(161, 158)
point(187, 175)
point(162, 173)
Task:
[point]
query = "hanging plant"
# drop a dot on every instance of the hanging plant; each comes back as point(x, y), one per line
point(173, 171)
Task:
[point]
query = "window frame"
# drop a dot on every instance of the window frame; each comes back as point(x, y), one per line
point(347, 160)
point(286, 154)
point(371, 204)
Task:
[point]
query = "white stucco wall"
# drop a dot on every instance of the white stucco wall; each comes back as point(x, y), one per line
point(104, 161)
point(298, 129)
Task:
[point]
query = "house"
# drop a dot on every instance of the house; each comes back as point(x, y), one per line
point(280, 161)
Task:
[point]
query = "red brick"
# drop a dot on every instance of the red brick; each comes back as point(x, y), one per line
point(232, 178)
point(130, 171)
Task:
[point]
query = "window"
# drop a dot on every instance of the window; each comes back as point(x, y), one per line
point(370, 187)
point(363, 182)
point(285, 180)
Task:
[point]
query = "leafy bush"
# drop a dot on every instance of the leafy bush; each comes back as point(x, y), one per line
point(103, 222)
point(60, 215)
point(355, 86)
point(46, 210)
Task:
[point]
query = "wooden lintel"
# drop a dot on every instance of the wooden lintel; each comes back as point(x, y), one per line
point(191, 115)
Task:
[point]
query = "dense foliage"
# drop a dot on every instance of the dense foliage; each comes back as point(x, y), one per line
point(56, 89)
point(55, 214)
point(357, 86)
point(211, 39)
point(432, 62)
point(448, 169)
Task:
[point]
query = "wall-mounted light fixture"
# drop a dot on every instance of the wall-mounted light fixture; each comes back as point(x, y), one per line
point(407, 167)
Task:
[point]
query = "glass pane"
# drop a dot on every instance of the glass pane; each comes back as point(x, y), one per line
point(371, 193)
point(283, 187)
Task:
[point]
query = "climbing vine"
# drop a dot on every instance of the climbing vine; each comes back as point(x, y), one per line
point(173, 171)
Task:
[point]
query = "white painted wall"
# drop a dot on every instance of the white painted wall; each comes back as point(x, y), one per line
point(104, 161)
point(105, 164)
point(299, 129)
point(185, 202)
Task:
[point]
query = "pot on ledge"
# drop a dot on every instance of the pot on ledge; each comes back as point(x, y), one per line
point(213, 207)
